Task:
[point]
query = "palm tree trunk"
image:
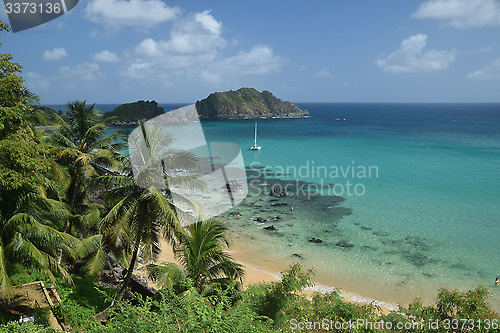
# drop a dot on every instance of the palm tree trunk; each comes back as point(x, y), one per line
point(128, 277)
point(67, 225)
point(104, 314)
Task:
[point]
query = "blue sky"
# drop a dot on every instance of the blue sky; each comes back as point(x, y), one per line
point(116, 51)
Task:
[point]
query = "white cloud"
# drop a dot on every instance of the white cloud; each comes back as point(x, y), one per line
point(137, 13)
point(461, 13)
point(259, 60)
point(106, 56)
point(489, 72)
point(324, 73)
point(54, 55)
point(409, 57)
point(208, 22)
point(35, 81)
point(84, 72)
point(193, 52)
point(198, 34)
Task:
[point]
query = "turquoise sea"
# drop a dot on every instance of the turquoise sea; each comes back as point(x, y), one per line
point(419, 188)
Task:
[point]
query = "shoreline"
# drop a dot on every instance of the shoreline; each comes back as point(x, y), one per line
point(256, 273)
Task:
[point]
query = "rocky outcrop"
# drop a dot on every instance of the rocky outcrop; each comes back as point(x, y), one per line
point(131, 113)
point(247, 103)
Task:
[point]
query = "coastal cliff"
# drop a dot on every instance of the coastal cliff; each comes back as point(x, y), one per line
point(247, 103)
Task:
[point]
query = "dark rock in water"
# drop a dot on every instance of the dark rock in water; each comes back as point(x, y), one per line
point(381, 233)
point(344, 244)
point(270, 228)
point(278, 217)
point(366, 228)
point(296, 255)
point(260, 219)
point(419, 259)
point(279, 204)
point(278, 192)
point(315, 240)
point(459, 266)
point(340, 211)
point(420, 243)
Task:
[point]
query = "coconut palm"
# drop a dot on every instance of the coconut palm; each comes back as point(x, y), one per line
point(80, 143)
point(111, 242)
point(200, 251)
point(30, 206)
point(142, 212)
point(30, 238)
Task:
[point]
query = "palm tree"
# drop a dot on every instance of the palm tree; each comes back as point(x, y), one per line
point(30, 205)
point(199, 249)
point(30, 238)
point(141, 212)
point(110, 242)
point(80, 143)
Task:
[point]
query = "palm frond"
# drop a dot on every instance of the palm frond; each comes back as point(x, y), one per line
point(98, 262)
point(167, 274)
point(87, 246)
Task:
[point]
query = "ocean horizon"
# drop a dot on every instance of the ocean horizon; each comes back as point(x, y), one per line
point(403, 196)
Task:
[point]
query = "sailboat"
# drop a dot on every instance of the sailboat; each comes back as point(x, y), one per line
point(255, 145)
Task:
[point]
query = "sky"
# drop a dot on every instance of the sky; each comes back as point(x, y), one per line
point(117, 51)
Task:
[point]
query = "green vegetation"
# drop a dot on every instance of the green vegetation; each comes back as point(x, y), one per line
point(71, 212)
point(133, 112)
point(246, 103)
point(200, 250)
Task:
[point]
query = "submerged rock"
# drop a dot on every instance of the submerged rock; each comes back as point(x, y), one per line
point(270, 228)
point(419, 259)
point(315, 240)
point(421, 243)
point(278, 193)
point(344, 244)
point(368, 248)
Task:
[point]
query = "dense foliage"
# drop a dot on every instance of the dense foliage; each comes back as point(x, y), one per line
point(246, 103)
point(131, 112)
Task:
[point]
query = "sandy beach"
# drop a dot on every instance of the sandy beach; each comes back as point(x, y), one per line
point(267, 269)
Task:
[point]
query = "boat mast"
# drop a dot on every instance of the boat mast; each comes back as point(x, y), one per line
point(255, 142)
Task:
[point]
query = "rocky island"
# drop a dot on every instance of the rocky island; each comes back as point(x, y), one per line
point(130, 113)
point(247, 103)
point(244, 103)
